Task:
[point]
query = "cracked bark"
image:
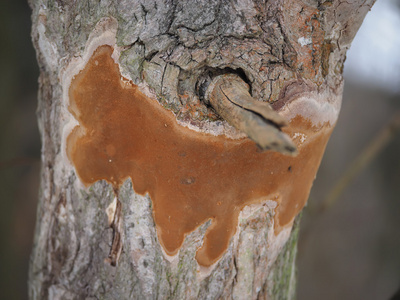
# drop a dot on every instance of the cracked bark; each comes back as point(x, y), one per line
point(284, 48)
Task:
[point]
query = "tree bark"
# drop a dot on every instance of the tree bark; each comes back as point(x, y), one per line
point(285, 50)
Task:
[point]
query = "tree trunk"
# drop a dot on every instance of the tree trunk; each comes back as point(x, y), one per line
point(102, 239)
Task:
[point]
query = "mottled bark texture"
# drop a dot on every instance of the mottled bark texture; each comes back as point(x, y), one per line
point(283, 48)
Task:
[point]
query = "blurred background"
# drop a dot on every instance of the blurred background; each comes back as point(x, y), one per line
point(350, 250)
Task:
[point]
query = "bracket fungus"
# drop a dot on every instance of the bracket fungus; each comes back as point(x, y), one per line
point(190, 176)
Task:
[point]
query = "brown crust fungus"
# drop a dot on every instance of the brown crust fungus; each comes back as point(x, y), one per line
point(190, 176)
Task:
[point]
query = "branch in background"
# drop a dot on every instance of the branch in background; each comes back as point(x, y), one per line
point(381, 140)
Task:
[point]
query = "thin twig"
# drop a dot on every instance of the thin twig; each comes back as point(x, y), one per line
point(380, 141)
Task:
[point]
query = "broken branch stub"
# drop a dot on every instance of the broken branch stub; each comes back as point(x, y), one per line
point(229, 95)
point(182, 170)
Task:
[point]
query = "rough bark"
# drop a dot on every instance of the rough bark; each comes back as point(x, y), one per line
point(284, 49)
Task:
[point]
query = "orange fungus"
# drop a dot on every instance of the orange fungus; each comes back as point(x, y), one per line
point(191, 177)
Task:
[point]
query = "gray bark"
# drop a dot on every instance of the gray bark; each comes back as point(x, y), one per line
point(285, 48)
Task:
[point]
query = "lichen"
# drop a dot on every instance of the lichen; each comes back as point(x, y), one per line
point(284, 272)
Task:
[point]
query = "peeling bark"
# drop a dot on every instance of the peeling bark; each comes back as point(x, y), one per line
point(284, 49)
